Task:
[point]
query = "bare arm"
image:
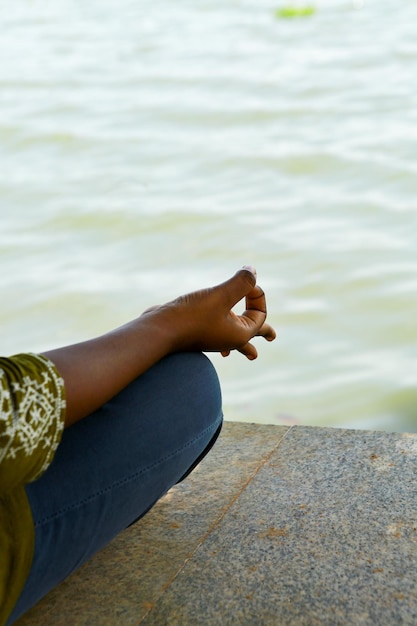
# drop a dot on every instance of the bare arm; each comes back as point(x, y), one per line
point(96, 370)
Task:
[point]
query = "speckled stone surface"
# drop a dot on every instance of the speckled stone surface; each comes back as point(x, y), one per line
point(297, 526)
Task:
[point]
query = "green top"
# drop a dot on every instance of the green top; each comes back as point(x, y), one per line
point(32, 412)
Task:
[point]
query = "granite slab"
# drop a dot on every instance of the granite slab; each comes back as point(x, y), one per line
point(278, 526)
point(122, 583)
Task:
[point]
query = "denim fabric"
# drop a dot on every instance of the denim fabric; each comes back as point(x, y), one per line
point(112, 466)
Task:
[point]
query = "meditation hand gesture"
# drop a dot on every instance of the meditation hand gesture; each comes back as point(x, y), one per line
point(204, 320)
point(95, 370)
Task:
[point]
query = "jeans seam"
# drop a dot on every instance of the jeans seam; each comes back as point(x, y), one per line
point(129, 478)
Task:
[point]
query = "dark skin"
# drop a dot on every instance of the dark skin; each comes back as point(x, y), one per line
point(96, 370)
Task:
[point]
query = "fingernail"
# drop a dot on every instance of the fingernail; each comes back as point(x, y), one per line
point(250, 268)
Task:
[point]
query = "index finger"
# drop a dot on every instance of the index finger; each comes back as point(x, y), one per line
point(256, 306)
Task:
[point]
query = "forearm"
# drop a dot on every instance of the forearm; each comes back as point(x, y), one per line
point(96, 370)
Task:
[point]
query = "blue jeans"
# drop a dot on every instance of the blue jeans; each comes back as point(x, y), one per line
point(114, 465)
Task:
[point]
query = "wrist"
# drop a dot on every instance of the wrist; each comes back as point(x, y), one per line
point(161, 327)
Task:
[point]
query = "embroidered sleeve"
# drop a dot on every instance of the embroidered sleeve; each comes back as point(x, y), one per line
point(32, 412)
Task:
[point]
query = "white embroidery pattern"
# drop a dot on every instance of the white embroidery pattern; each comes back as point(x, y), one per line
point(31, 414)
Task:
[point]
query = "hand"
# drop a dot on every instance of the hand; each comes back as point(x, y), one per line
point(95, 370)
point(204, 320)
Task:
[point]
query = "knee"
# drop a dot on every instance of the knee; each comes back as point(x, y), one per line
point(182, 390)
point(196, 378)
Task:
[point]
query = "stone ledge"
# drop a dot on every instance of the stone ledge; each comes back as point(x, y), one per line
point(289, 526)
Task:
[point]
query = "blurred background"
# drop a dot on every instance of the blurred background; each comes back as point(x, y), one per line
point(150, 148)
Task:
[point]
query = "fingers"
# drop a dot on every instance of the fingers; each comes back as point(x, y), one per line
point(237, 287)
point(256, 308)
point(248, 350)
point(255, 300)
point(243, 285)
point(267, 332)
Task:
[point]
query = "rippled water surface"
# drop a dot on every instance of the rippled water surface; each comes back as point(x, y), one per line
point(150, 148)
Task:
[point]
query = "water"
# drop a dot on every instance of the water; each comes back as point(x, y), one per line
point(147, 149)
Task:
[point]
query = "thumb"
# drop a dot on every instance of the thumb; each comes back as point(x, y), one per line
point(239, 285)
